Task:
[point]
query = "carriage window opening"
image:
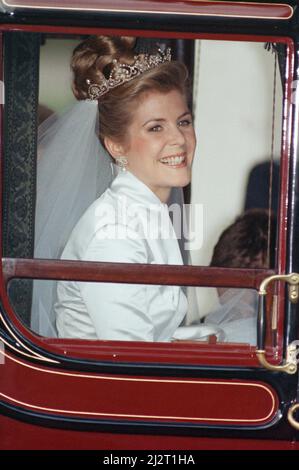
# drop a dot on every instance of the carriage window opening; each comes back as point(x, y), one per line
point(225, 216)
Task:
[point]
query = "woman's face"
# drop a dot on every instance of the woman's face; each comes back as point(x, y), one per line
point(160, 142)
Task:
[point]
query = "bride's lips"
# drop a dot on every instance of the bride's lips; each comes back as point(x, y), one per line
point(174, 161)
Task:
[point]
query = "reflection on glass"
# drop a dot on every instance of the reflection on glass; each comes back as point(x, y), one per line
point(232, 317)
point(236, 314)
point(235, 173)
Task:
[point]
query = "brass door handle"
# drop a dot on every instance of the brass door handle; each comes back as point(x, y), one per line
point(292, 279)
point(290, 364)
point(291, 418)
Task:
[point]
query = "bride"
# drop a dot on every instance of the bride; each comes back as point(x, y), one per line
point(145, 126)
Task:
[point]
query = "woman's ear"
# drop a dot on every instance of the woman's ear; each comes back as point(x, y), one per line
point(114, 148)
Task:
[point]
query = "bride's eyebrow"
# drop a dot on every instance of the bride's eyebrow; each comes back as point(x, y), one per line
point(153, 120)
point(186, 113)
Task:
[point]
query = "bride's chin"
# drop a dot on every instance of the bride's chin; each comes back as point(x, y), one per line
point(183, 181)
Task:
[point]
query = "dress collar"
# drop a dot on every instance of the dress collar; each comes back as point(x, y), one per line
point(134, 190)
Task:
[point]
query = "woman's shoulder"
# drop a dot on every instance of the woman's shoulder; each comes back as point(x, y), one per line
point(106, 219)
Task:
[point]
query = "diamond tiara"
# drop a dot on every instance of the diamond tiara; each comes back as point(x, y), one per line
point(122, 73)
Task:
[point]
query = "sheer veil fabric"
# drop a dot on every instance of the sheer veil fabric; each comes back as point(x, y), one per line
point(73, 169)
point(236, 315)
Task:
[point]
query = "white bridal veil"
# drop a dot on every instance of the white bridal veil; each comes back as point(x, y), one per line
point(73, 169)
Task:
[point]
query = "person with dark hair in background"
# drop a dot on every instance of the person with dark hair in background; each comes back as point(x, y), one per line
point(247, 243)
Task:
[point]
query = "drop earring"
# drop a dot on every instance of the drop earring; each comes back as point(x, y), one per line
point(122, 163)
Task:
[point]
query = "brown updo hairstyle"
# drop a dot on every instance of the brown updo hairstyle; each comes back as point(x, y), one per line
point(93, 58)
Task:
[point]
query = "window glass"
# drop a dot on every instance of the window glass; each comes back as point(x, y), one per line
point(238, 115)
point(235, 178)
point(232, 318)
point(224, 215)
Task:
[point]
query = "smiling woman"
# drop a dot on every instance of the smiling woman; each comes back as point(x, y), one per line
point(145, 125)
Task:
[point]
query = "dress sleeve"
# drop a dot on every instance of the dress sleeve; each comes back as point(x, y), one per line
point(118, 311)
